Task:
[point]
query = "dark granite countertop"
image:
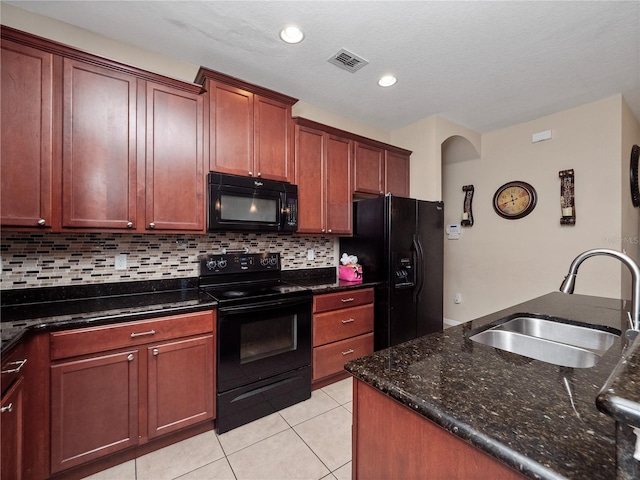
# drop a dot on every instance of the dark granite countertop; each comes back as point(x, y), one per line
point(538, 418)
point(60, 308)
point(322, 280)
point(620, 396)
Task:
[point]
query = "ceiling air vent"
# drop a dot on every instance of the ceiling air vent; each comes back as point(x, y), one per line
point(348, 61)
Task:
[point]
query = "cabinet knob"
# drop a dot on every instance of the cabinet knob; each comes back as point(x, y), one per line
point(129, 224)
point(348, 351)
point(259, 174)
point(350, 320)
point(322, 230)
point(42, 222)
point(329, 231)
point(251, 174)
point(8, 408)
point(130, 357)
point(155, 351)
point(152, 225)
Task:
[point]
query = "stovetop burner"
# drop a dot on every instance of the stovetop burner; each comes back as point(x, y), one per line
point(245, 277)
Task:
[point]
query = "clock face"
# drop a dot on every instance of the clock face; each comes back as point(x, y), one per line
point(514, 200)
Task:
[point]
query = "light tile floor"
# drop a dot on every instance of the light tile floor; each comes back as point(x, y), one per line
point(309, 440)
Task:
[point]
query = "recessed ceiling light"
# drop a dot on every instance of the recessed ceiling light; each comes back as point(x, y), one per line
point(387, 81)
point(291, 34)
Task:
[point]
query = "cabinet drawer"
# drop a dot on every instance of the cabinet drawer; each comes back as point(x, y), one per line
point(13, 366)
point(341, 324)
point(350, 298)
point(83, 341)
point(330, 359)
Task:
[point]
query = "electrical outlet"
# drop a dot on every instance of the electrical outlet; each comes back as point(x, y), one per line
point(121, 262)
point(457, 298)
point(310, 254)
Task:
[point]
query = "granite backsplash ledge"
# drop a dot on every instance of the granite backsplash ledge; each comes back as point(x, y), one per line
point(56, 259)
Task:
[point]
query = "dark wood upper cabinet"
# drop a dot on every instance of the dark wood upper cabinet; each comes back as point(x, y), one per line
point(338, 185)
point(174, 177)
point(368, 165)
point(117, 147)
point(27, 149)
point(397, 167)
point(273, 135)
point(99, 147)
point(230, 130)
point(310, 148)
point(379, 169)
point(250, 131)
point(323, 176)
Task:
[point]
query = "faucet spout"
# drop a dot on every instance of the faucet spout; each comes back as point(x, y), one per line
point(569, 282)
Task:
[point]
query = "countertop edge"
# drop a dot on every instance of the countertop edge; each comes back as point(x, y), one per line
point(494, 448)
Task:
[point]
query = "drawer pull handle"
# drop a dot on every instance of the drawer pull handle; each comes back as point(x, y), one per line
point(349, 320)
point(155, 351)
point(150, 332)
point(19, 363)
point(348, 351)
point(130, 357)
point(347, 300)
point(8, 408)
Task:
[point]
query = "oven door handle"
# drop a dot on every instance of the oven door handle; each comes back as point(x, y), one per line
point(258, 306)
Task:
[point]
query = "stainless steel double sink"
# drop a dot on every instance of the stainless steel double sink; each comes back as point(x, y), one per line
point(548, 339)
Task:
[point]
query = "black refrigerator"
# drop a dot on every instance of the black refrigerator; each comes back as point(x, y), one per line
point(399, 243)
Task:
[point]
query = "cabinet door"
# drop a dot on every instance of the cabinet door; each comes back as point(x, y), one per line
point(309, 153)
point(272, 139)
point(26, 154)
point(94, 408)
point(230, 129)
point(99, 147)
point(181, 386)
point(338, 185)
point(174, 160)
point(367, 169)
point(11, 426)
point(397, 174)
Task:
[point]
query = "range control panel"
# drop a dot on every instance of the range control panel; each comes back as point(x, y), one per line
point(239, 263)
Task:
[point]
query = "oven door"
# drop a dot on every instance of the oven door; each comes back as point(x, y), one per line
point(242, 208)
point(261, 340)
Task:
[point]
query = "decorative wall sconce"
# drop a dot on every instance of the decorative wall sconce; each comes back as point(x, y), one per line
point(567, 197)
point(467, 214)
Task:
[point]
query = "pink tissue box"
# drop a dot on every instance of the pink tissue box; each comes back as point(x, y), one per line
point(350, 273)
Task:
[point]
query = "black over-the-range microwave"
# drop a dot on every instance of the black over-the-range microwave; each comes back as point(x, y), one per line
point(251, 204)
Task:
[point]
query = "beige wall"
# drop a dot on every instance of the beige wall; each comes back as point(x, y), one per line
point(498, 262)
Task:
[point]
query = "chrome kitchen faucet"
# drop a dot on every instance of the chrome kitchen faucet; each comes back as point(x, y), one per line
point(568, 284)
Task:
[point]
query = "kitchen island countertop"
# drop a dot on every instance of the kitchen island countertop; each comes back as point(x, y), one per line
point(538, 418)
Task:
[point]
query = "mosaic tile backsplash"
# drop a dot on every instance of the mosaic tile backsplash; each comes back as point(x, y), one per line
point(56, 259)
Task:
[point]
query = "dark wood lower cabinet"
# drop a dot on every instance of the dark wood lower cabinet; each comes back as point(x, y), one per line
point(180, 389)
point(94, 408)
point(11, 426)
point(392, 441)
point(116, 393)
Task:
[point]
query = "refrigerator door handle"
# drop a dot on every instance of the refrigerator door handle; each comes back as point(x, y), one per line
point(419, 265)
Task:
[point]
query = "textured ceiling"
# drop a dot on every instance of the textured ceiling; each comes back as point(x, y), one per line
point(483, 65)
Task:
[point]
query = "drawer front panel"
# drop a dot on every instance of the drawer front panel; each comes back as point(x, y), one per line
point(84, 341)
point(349, 298)
point(330, 359)
point(342, 324)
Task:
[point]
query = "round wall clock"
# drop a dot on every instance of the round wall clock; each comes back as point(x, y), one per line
point(514, 200)
point(633, 176)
